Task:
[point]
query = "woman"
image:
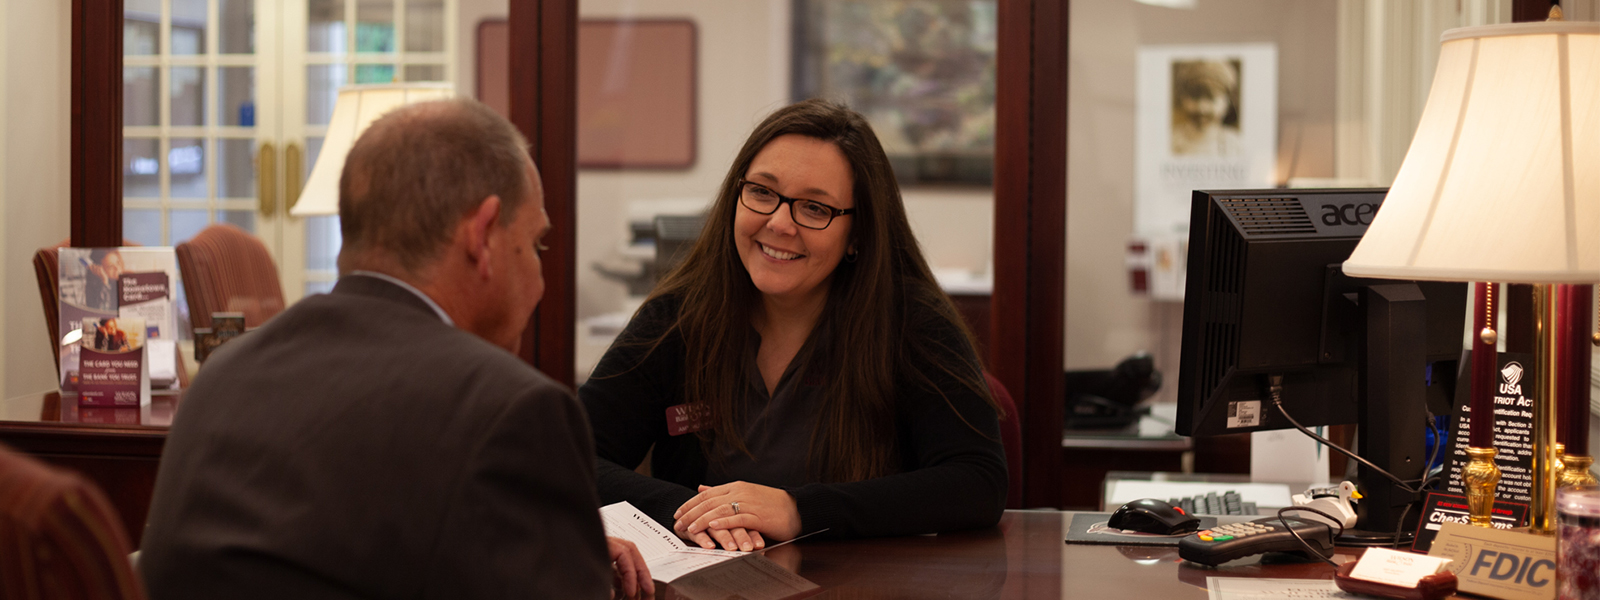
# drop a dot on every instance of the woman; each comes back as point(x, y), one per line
point(801, 370)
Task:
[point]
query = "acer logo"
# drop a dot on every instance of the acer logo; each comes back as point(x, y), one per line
point(1334, 215)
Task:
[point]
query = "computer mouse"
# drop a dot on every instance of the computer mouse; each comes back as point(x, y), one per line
point(1154, 516)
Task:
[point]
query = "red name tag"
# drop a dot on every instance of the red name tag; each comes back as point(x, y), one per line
point(685, 418)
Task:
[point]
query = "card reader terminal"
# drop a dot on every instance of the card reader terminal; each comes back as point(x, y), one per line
point(1233, 541)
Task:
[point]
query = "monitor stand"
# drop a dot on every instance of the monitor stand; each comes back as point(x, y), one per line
point(1392, 412)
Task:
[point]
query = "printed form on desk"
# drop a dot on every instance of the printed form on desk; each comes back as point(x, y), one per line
point(1246, 588)
point(689, 569)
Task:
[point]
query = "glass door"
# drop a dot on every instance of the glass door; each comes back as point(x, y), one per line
point(342, 42)
point(225, 103)
point(197, 112)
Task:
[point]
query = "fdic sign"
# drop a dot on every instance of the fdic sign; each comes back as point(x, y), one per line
point(1499, 564)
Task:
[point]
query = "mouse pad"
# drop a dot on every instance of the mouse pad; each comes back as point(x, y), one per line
point(1089, 528)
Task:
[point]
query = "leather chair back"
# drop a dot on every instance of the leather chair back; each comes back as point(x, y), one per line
point(59, 538)
point(1011, 437)
point(225, 269)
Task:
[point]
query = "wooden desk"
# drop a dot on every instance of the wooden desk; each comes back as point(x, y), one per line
point(116, 448)
point(1025, 557)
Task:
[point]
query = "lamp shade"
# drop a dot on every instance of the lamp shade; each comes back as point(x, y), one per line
point(1502, 181)
point(357, 107)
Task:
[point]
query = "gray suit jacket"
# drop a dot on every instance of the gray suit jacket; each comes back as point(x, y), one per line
point(358, 447)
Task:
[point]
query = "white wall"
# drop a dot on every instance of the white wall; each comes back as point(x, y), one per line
point(35, 167)
point(1105, 321)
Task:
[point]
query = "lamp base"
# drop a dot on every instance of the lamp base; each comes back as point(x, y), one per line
point(1481, 477)
point(1576, 471)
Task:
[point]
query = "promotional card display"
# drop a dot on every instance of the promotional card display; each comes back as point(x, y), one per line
point(112, 359)
point(121, 284)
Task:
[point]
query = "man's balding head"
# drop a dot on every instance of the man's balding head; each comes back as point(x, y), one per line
point(417, 172)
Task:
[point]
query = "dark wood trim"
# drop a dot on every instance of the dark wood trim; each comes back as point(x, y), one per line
point(1030, 232)
point(96, 123)
point(544, 42)
point(1523, 11)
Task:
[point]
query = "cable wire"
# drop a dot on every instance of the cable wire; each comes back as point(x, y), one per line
point(1275, 389)
point(1314, 552)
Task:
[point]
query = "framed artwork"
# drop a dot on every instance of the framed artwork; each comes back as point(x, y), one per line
point(1207, 118)
point(637, 83)
point(922, 72)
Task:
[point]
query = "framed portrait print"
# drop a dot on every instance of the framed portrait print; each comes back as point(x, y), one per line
point(922, 72)
point(1207, 118)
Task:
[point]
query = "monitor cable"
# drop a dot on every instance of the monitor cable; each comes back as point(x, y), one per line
point(1275, 390)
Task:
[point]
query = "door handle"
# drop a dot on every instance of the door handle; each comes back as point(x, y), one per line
point(294, 164)
point(267, 179)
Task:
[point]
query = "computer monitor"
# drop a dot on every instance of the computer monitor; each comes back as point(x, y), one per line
point(1265, 296)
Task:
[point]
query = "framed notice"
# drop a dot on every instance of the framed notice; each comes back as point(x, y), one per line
point(1207, 119)
point(637, 86)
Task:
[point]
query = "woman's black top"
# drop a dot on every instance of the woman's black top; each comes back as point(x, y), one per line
point(951, 475)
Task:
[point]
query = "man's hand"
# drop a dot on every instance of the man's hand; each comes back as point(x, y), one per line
point(633, 577)
point(761, 511)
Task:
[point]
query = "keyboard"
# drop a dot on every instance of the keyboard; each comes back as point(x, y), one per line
point(1226, 503)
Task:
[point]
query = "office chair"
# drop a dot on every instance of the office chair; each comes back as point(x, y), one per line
point(59, 538)
point(1010, 437)
point(225, 269)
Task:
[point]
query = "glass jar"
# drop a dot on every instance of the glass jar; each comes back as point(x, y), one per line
point(1578, 545)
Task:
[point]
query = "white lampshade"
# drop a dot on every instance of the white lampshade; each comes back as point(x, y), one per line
point(1502, 181)
point(358, 106)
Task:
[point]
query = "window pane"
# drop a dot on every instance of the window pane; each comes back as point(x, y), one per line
point(374, 26)
point(322, 243)
point(141, 100)
point(374, 74)
point(325, 26)
point(243, 219)
point(185, 223)
point(142, 226)
point(238, 26)
point(424, 26)
point(188, 26)
point(237, 86)
point(187, 87)
point(319, 287)
point(186, 162)
point(141, 171)
point(313, 148)
point(424, 72)
point(322, 90)
point(141, 35)
point(237, 177)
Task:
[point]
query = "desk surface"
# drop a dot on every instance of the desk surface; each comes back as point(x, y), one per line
point(1025, 557)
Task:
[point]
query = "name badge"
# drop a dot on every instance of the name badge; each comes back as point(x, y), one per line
point(685, 418)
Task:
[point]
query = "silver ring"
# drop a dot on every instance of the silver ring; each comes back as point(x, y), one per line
point(735, 505)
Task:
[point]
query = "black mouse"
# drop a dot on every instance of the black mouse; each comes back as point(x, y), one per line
point(1154, 516)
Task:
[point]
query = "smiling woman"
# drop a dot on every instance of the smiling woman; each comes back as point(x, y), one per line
point(827, 380)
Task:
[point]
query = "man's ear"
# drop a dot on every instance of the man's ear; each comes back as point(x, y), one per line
point(479, 226)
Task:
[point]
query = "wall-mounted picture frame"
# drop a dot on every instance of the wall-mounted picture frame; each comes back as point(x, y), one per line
point(637, 90)
point(922, 72)
point(1207, 118)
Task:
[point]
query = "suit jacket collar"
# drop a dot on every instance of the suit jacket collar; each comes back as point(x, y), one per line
point(373, 287)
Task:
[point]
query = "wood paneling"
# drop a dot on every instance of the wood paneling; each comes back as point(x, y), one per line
point(1030, 231)
point(96, 123)
point(544, 41)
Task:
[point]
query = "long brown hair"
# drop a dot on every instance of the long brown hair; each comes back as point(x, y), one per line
point(882, 311)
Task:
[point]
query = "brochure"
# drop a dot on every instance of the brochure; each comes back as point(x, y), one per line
point(116, 283)
point(113, 366)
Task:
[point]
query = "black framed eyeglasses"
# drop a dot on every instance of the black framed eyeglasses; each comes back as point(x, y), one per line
point(809, 214)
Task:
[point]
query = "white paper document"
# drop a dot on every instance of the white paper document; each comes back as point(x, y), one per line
point(1246, 588)
point(666, 555)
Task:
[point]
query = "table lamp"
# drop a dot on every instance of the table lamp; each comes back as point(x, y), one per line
point(1502, 184)
point(357, 107)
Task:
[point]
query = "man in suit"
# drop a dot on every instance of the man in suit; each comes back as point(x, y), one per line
point(380, 441)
